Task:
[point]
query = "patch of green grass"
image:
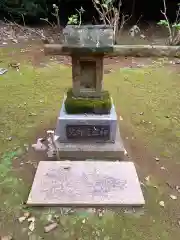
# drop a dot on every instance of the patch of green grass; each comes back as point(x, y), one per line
point(27, 98)
point(7, 182)
point(149, 101)
point(32, 97)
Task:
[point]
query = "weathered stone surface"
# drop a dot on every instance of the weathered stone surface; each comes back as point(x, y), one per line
point(93, 150)
point(84, 50)
point(123, 50)
point(87, 74)
point(86, 184)
point(88, 132)
point(88, 36)
point(65, 119)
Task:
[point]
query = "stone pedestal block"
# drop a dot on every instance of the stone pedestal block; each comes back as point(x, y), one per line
point(91, 150)
point(90, 128)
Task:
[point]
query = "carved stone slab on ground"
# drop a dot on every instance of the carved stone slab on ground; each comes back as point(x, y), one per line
point(86, 183)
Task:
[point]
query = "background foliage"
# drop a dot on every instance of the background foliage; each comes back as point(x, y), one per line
point(33, 10)
point(29, 9)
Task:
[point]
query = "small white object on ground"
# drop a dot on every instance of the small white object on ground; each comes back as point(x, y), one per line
point(21, 219)
point(147, 178)
point(31, 219)
point(26, 214)
point(142, 36)
point(14, 40)
point(162, 168)
point(32, 223)
point(3, 71)
point(50, 227)
point(50, 131)
point(39, 146)
point(56, 138)
point(125, 152)
point(84, 221)
point(162, 204)
point(31, 226)
point(9, 138)
point(51, 146)
point(173, 197)
point(51, 153)
point(24, 217)
point(177, 188)
point(100, 214)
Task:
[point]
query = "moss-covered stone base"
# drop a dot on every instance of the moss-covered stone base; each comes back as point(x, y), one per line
point(77, 105)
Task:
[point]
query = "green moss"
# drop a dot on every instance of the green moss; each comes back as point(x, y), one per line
point(74, 105)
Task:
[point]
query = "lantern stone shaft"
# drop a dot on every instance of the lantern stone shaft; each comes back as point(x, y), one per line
point(87, 45)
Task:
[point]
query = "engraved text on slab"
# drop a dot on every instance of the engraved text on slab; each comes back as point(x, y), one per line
point(88, 132)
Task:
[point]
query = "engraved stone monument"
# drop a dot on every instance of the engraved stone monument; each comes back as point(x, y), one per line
point(87, 129)
point(87, 125)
